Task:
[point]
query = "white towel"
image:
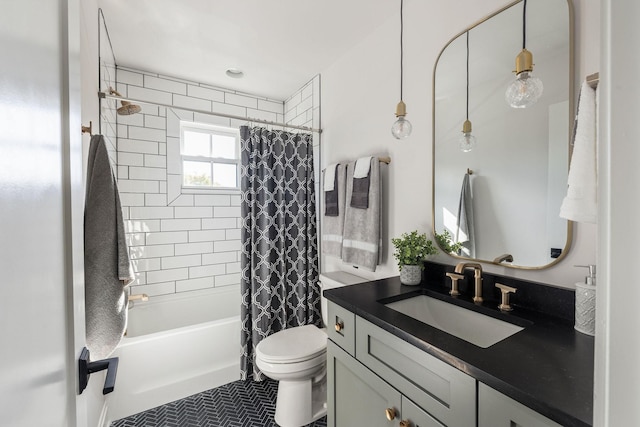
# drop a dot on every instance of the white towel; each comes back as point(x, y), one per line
point(362, 241)
point(333, 226)
point(580, 204)
point(329, 176)
point(363, 164)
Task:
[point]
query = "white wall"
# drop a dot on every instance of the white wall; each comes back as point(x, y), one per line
point(359, 94)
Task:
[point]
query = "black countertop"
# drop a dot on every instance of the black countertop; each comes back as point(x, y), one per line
point(547, 366)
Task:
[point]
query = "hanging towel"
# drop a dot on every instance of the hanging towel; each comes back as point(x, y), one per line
point(333, 226)
point(465, 232)
point(106, 258)
point(362, 243)
point(331, 207)
point(580, 204)
point(361, 182)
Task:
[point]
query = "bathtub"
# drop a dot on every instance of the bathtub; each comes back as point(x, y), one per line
point(176, 346)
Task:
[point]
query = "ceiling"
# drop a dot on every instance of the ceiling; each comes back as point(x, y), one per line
point(278, 44)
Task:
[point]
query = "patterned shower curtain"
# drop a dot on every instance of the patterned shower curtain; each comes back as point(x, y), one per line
point(279, 257)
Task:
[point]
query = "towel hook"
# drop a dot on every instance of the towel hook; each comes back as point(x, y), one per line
point(88, 129)
point(469, 171)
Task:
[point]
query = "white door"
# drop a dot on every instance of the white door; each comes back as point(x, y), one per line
point(40, 200)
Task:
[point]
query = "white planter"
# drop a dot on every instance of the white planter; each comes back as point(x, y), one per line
point(411, 275)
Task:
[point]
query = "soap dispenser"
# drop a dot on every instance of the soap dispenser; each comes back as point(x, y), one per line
point(586, 302)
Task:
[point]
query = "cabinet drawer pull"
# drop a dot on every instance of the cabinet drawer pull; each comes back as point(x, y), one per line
point(391, 413)
point(339, 326)
point(405, 423)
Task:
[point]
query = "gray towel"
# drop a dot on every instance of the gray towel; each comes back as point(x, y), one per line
point(465, 232)
point(361, 180)
point(331, 207)
point(106, 258)
point(333, 226)
point(362, 242)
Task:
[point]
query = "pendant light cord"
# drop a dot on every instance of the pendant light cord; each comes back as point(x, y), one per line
point(524, 24)
point(467, 75)
point(401, 47)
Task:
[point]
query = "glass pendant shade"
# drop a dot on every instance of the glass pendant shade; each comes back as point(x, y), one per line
point(466, 142)
point(524, 91)
point(402, 127)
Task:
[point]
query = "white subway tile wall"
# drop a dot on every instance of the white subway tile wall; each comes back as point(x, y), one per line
point(181, 242)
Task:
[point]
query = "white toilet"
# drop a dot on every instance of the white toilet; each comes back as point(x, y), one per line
point(297, 358)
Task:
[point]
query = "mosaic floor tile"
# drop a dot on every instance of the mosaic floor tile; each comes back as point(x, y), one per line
point(238, 404)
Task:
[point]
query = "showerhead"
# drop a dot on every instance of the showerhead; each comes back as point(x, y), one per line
point(127, 107)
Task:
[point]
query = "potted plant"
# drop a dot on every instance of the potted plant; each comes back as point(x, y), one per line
point(445, 241)
point(411, 250)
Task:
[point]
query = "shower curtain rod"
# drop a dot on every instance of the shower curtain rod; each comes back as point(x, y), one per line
point(227, 116)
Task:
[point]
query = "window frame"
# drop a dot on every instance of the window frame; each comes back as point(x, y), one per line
point(209, 130)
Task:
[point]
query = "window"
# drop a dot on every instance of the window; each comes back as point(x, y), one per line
point(210, 156)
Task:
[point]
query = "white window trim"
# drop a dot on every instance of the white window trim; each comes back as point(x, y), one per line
point(211, 129)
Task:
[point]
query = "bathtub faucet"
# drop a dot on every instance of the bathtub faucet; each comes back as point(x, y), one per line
point(86, 368)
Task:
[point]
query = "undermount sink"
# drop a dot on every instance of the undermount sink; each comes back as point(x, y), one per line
point(473, 327)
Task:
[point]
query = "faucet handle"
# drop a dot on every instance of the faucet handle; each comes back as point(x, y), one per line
point(505, 291)
point(454, 283)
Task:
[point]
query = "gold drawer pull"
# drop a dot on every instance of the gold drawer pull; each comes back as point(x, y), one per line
point(339, 326)
point(405, 423)
point(391, 413)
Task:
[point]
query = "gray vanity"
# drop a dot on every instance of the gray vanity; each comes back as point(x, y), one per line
point(386, 368)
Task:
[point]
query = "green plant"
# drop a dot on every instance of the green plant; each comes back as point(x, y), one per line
point(412, 248)
point(446, 243)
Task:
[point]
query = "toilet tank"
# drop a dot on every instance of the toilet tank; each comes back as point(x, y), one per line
point(335, 279)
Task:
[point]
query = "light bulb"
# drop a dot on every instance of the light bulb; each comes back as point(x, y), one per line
point(401, 128)
point(467, 142)
point(524, 91)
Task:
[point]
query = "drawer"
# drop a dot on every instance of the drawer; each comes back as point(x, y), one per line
point(497, 410)
point(341, 327)
point(447, 394)
point(416, 417)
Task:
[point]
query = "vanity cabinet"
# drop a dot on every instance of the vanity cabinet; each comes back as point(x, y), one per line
point(497, 410)
point(378, 376)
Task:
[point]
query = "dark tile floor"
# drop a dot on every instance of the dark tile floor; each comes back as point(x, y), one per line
point(238, 404)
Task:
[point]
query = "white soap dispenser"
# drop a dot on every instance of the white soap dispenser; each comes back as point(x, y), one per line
point(586, 302)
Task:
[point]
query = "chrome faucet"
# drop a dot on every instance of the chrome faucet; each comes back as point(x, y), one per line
point(477, 298)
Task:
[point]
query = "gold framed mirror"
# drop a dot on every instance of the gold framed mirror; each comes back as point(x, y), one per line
point(519, 165)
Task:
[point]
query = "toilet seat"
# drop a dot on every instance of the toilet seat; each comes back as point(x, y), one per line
point(293, 345)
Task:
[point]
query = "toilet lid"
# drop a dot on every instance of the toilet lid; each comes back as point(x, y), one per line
point(292, 345)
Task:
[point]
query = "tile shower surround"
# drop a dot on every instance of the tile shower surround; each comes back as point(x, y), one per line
point(184, 242)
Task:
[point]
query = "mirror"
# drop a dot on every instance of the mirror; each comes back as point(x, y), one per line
point(519, 165)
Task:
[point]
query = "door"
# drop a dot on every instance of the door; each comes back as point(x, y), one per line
point(356, 396)
point(40, 200)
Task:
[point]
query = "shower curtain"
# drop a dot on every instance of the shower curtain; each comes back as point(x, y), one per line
point(279, 256)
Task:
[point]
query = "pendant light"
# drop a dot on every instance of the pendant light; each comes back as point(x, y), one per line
point(526, 89)
point(402, 127)
point(467, 142)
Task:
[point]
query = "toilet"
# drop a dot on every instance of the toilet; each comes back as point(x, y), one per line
point(297, 358)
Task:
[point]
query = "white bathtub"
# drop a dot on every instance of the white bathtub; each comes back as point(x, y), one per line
point(176, 346)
